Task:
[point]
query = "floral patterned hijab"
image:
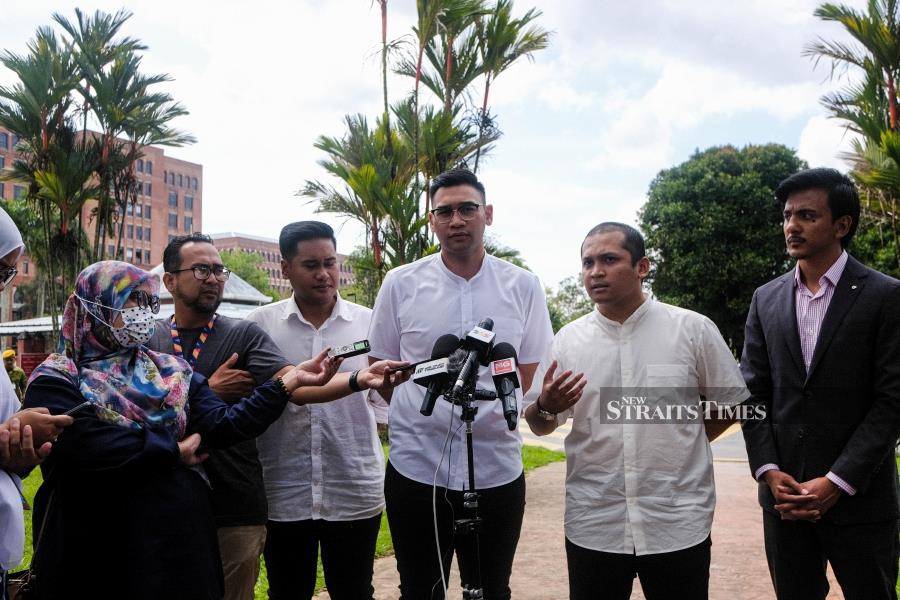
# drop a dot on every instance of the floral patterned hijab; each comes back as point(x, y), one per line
point(132, 387)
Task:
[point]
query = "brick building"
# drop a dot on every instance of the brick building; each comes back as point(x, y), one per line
point(169, 203)
point(271, 258)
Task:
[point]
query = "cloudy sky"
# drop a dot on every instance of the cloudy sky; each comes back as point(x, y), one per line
point(626, 89)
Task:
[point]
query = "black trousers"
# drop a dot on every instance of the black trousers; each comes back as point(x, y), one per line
point(412, 529)
point(863, 557)
point(348, 551)
point(678, 575)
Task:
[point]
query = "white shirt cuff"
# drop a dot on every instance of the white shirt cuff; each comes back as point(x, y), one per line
point(764, 468)
point(846, 487)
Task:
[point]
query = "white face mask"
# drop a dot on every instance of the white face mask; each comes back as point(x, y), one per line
point(137, 322)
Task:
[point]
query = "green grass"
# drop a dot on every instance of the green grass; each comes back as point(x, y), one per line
point(532, 457)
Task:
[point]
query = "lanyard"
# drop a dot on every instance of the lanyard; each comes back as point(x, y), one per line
point(198, 347)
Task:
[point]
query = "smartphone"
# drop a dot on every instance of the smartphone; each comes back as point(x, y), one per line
point(354, 349)
point(81, 406)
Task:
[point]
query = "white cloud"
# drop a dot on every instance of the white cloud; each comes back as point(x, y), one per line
point(822, 142)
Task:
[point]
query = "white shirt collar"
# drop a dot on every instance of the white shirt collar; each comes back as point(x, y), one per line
point(636, 316)
point(340, 310)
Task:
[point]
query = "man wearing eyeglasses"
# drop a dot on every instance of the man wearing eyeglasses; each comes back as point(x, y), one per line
point(236, 355)
point(451, 292)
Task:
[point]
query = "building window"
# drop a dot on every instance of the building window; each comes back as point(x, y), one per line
point(139, 232)
point(194, 182)
point(147, 257)
point(2, 162)
point(173, 223)
point(139, 210)
point(131, 232)
point(15, 141)
point(18, 191)
point(138, 256)
point(173, 199)
point(110, 250)
point(180, 180)
point(171, 178)
point(129, 209)
point(25, 267)
point(4, 141)
point(147, 208)
point(149, 171)
point(188, 224)
point(147, 236)
point(148, 189)
point(188, 203)
point(129, 254)
point(139, 165)
point(2, 190)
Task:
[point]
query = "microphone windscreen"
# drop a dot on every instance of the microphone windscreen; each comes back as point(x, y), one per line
point(457, 358)
point(503, 350)
point(444, 346)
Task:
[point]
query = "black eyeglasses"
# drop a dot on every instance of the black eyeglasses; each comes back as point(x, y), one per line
point(466, 210)
point(7, 275)
point(202, 272)
point(145, 300)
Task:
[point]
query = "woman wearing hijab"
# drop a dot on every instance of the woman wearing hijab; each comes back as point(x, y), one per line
point(17, 429)
point(125, 511)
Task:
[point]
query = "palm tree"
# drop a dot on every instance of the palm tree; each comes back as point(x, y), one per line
point(877, 32)
point(504, 40)
point(35, 109)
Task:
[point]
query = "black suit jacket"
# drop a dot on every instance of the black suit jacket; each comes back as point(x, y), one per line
point(844, 414)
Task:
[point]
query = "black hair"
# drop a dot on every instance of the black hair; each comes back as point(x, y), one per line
point(301, 231)
point(843, 199)
point(172, 253)
point(455, 177)
point(633, 242)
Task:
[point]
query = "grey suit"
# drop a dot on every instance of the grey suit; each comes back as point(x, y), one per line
point(842, 416)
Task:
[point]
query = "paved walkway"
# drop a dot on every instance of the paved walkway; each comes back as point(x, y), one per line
point(738, 570)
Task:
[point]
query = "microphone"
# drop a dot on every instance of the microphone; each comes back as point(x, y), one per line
point(478, 342)
point(503, 370)
point(435, 374)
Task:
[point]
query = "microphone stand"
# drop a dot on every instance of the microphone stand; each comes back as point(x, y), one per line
point(471, 524)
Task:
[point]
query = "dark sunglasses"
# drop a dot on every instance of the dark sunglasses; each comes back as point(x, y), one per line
point(145, 300)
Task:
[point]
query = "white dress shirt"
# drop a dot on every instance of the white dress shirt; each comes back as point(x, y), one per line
point(641, 485)
point(321, 461)
point(417, 304)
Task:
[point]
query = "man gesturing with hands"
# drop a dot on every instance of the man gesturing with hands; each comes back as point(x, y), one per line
point(639, 483)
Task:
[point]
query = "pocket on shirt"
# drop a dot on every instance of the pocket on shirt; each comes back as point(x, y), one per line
point(671, 385)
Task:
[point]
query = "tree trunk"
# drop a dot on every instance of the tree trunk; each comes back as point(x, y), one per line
point(448, 73)
point(487, 89)
point(892, 101)
point(416, 138)
point(51, 278)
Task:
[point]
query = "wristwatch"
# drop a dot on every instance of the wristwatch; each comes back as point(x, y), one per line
point(541, 413)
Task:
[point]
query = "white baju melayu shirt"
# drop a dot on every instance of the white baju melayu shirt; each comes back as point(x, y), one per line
point(321, 461)
point(640, 481)
point(416, 305)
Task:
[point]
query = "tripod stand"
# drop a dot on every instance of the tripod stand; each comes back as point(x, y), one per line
point(471, 525)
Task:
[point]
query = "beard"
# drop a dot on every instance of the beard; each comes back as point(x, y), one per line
point(204, 304)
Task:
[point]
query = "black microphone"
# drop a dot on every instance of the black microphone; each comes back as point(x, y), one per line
point(503, 370)
point(478, 342)
point(434, 375)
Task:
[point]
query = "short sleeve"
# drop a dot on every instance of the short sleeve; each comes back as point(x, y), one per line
point(263, 358)
point(719, 373)
point(537, 332)
point(384, 328)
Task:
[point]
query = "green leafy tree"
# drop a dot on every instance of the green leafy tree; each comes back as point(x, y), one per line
point(714, 231)
point(568, 302)
point(247, 266)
